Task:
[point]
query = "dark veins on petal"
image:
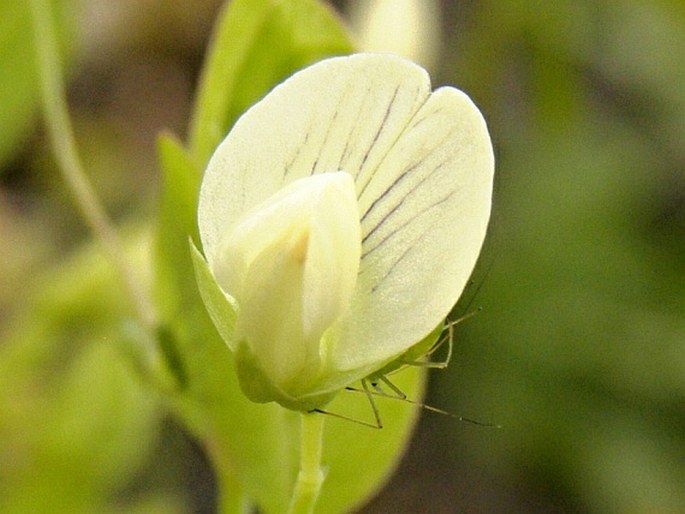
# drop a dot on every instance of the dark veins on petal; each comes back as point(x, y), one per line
point(411, 170)
point(289, 165)
point(347, 150)
point(389, 214)
point(325, 141)
point(411, 126)
point(384, 194)
point(410, 246)
point(329, 127)
point(375, 139)
point(427, 116)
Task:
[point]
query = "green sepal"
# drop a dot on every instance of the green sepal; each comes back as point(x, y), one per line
point(257, 387)
point(253, 381)
point(221, 310)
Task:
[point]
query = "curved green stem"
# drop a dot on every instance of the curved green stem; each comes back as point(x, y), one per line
point(62, 139)
point(310, 477)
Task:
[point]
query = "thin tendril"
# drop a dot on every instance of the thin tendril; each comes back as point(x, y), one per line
point(61, 136)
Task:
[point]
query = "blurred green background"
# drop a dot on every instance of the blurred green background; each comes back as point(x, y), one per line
point(579, 351)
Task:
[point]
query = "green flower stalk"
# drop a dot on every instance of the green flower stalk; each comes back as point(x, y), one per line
point(340, 220)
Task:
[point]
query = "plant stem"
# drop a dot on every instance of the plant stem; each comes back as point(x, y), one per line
point(231, 497)
point(310, 477)
point(61, 136)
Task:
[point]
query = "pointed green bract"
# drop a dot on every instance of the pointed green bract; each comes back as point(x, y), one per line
point(219, 306)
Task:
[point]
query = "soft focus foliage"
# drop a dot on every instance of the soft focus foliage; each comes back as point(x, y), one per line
point(579, 351)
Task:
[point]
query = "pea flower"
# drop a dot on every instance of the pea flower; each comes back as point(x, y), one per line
point(340, 220)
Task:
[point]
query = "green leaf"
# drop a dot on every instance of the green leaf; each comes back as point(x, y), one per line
point(19, 88)
point(18, 81)
point(174, 278)
point(253, 447)
point(257, 43)
point(360, 459)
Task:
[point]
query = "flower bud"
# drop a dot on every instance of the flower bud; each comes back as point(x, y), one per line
point(291, 265)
